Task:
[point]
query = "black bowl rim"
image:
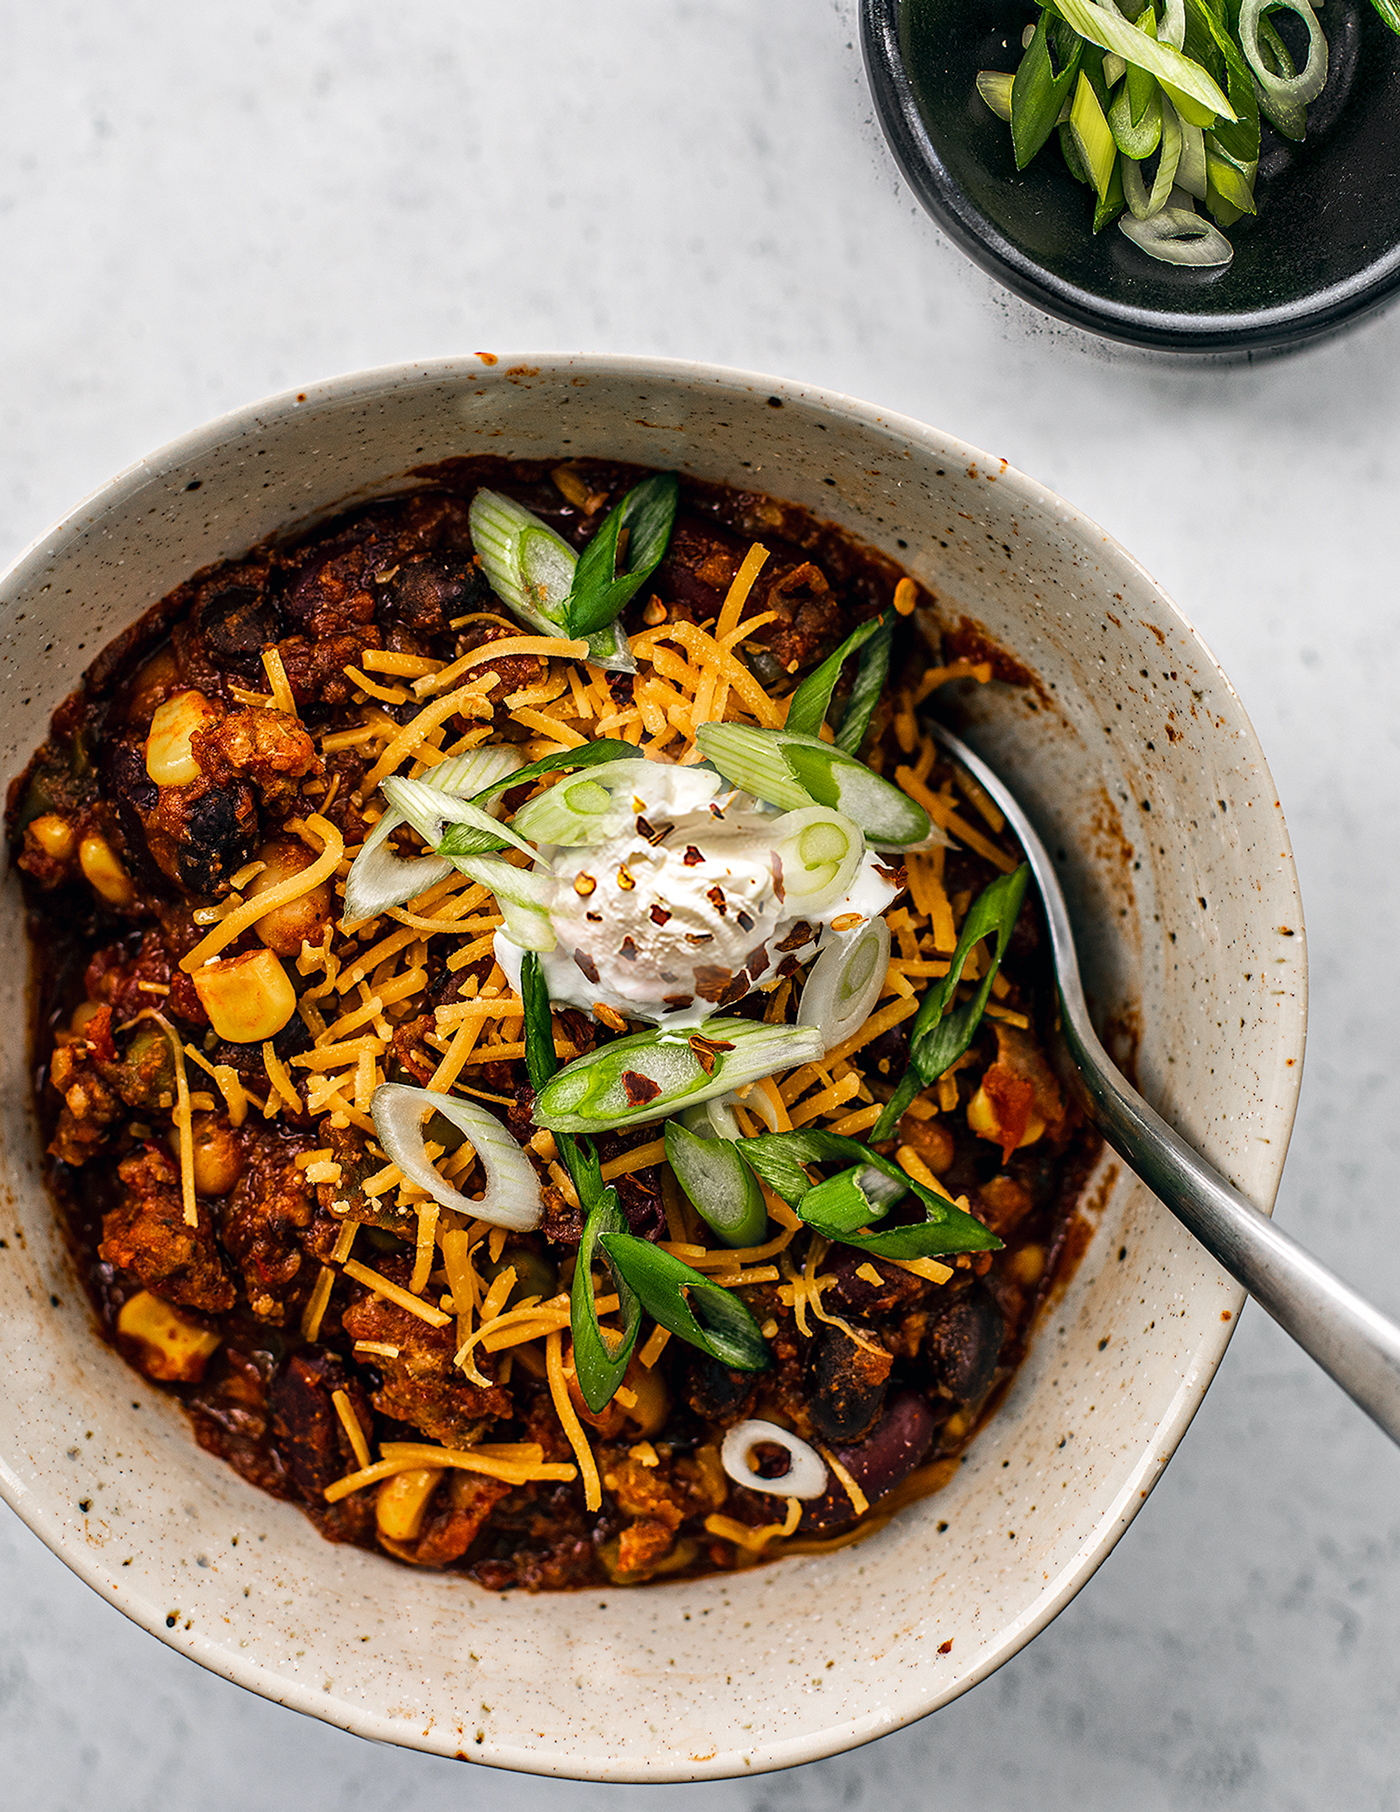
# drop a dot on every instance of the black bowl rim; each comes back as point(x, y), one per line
point(1289, 324)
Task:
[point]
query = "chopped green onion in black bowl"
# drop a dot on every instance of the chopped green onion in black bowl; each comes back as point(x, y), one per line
point(1323, 248)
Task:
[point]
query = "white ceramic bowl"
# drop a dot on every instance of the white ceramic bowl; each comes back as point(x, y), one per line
point(1139, 764)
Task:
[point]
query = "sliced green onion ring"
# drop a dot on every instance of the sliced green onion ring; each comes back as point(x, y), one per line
point(844, 983)
point(512, 1197)
point(579, 1156)
point(818, 852)
point(1309, 82)
point(722, 1189)
point(570, 815)
point(599, 1364)
point(648, 1075)
point(868, 685)
point(805, 1477)
point(1177, 237)
point(714, 1119)
point(671, 1292)
point(1191, 166)
point(1139, 138)
point(379, 879)
point(1141, 204)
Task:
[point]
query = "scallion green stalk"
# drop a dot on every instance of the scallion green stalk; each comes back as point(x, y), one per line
point(939, 1037)
point(672, 1293)
point(601, 1358)
point(791, 771)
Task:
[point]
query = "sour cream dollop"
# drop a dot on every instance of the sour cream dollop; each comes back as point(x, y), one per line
point(681, 913)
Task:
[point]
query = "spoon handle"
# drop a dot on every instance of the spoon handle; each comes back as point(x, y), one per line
point(1352, 1341)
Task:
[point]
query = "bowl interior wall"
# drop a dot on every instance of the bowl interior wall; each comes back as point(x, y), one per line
point(755, 1670)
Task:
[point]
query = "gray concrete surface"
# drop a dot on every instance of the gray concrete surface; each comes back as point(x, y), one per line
point(203, 203)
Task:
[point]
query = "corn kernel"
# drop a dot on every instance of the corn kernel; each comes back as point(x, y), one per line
point(402, 1502)
point(55, 836)
point(99, 862)
point(248, 998)
point(982, 1118)
point(1028, 1265)
point(169, 758)
point(169, 1348)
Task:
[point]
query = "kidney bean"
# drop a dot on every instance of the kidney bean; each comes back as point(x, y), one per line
point(884, 1459)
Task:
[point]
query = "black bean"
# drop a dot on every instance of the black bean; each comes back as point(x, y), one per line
point(717, 1393)
point(848, 1385)
point(962, 1347)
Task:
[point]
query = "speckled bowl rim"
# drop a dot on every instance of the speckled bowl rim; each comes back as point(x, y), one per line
point(1157, 1444)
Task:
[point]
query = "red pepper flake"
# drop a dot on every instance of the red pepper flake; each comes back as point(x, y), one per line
point(640, 1089)
point(692, 856)
point(745, 922)
point(584, 885)
point(586, 963)
point(659, 915)
point(594, 918)
point(946, 1648)
point(625, 879)
point(628, 952)
point(677, 1002)
point(699, 937)
point(715, 895)
point(801, 933)
point(706, 1050)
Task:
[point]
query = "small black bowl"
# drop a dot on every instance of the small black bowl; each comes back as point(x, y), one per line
point(1323, 250)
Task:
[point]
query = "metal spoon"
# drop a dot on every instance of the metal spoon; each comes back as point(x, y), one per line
point(1351, 1341)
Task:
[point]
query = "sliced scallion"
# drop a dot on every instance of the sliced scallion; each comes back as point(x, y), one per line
point(1295, 90)
point(808, 706)
point(1191, 166)
point(937, 1039)
point(844, 983)
point(531, 570)
point(792, 771)
point(649, 1075)
point(1177, 237)
point(1092, 137)
point(601, 1358)
point(1106, 27)
point(818, 852)
point(1043, 84)
point(512, 1197)
point(676, 1296)
point(430, 810)
point(579, 1156)
point(379, 879)
point(866, 689)
point(994, 86)
point(1136, 138)
point(840, 1207)
point(524, 898)
point(1142, 204)
point(606, 578)
point(806, 1475)
point(722, 1189)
